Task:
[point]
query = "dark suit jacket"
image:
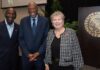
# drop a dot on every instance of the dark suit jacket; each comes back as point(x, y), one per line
point(8, 46)
point(30, 43)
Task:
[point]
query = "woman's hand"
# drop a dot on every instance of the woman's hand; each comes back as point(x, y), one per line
point(46, 67)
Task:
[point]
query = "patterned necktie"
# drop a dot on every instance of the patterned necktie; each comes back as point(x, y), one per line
point(34, 26)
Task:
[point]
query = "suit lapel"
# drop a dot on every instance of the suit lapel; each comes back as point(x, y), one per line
point(14, 31)
point(38, 24)
point(29, 23)
point(37, 27)
point(28, 26)
point(5, 30)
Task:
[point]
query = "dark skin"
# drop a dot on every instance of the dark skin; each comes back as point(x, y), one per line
point(10, 15)
point(32, 9)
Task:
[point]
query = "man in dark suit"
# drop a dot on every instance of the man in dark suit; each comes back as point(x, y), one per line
point(9, 41)
point(32, 37)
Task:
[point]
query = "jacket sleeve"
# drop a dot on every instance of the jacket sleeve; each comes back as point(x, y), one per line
point(76, 52)
point(48, 51)
point(43, 45)
point(22, 43)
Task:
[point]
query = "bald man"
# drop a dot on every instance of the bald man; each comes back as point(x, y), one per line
point(9, 41)
point(32, 37)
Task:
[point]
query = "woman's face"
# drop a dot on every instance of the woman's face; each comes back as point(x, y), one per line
point(57, 22)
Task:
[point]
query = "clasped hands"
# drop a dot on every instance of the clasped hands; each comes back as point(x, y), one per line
point(33, 56)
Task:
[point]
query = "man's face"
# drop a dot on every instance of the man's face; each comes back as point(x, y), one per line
point(10, 15)
point(32, 9)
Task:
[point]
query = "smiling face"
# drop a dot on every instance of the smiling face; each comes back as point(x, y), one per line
point(57, 22)
point(32, 9)
point(57, 19)
point(10, 15)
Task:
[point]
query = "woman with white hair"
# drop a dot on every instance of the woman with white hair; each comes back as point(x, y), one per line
point(63, 50)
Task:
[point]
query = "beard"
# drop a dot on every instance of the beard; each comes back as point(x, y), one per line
point(10, 22)
point(33, 15)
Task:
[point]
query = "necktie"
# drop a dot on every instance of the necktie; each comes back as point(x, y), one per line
point(34, 26)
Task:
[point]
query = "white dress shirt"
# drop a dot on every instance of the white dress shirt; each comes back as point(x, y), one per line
point(36, 19)
point(10, 28)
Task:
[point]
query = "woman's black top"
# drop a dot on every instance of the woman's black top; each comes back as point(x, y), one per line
point(55, 50)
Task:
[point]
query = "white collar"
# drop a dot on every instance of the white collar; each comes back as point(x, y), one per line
point(8, 24)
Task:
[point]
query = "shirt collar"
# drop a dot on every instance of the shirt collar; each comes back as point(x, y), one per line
point(35, 17)
point(8, 24)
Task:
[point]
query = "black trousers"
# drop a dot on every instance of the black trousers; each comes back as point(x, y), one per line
point(56, 67)
point(36, 65)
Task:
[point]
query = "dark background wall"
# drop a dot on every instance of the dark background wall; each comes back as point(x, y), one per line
point(70, 7)
point(90, 45)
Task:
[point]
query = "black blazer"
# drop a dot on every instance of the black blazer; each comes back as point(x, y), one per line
point(30, 43)
point(8, 46)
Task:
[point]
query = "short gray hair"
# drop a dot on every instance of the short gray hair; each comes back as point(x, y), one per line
point(57, 13)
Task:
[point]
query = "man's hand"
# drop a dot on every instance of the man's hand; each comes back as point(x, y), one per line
point(30, 55)
point(33, 56)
